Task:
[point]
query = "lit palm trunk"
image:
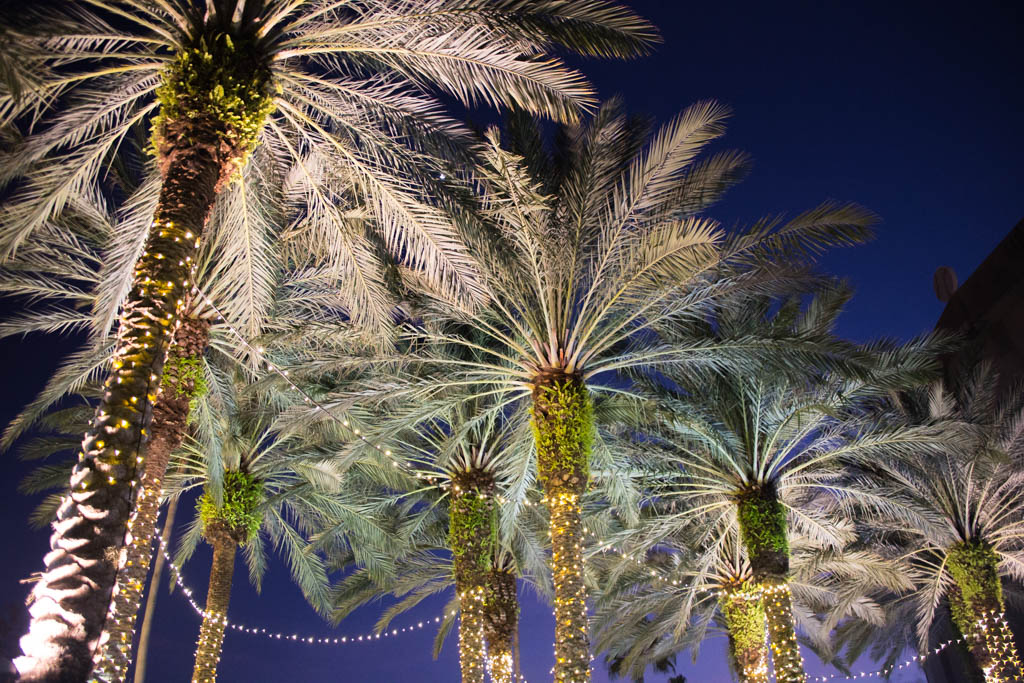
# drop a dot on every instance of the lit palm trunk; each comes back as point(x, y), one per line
point(225, 528)
point(142, 656)
point(745, 621)
point(470, 526)
point(501, 619)
point(211, 111)
point(762, 519)
point(977, 607)
point(211, 632)
point(562, 424)
point(182, 381)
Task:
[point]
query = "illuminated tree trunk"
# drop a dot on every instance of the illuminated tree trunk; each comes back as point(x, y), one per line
point(762, 519)
point(142, 656)
point(470, 524)
point(563, 431)
point(182, 380)
point(978, 610)
point(211, 633)
point(501, 619)
point(213, 103)
point(745, 621)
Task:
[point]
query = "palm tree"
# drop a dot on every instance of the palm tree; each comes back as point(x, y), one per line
point(957, 514)
point(336, 89)
point(651, 609)
point(596, 246)
point(261, 485)
point(455, 473)
point(762, 450)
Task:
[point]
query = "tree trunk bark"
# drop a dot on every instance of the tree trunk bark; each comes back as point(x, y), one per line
point(762, 520)
point(978, 610)
point(142, 656)
point(211, 633)
point(71, 603)
point(745, 621)
point(469, 537)
point(500, 621)
point(170, 420)
point(563, 432)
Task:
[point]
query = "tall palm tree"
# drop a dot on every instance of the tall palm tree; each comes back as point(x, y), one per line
point(762, 450)
point(597, 244)
point(63, 267)
point(336, 88)
point(957, 514)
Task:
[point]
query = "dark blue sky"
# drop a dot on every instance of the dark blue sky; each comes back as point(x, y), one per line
point(910, 108)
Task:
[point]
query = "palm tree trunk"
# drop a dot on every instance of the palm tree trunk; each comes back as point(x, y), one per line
point(211, 633)
point(213, 102)
point(563, 432)
point(470, 526)
point(745, 621)
point(762, 519)
point(72, 601)
point(170, 419)
point(500, 621)
point(978, 610)
point(142, 656)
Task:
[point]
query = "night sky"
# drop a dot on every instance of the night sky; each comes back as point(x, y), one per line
point(913, 109)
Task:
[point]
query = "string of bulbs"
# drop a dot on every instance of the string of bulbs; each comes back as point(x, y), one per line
point(256, 630)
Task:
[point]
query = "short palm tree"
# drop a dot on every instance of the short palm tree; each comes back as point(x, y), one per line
point(455, 473)
point(762, 450)
point(959, 513)
point(337, 89)
point(652, 608)
point(260, 486)
point(596, 245)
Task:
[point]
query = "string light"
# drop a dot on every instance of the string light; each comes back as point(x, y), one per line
point(915, 660)
point(293, 637)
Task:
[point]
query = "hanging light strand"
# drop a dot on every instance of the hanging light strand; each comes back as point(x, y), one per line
point(917, 660)
point(276, 635)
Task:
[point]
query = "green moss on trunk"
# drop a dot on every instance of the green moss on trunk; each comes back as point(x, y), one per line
point(471, 529)
point(762, 520)
point(977, 607)
point(745, 621)
point(563, 432)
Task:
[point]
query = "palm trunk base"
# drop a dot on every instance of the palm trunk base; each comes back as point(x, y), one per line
point(743, 608)
point(215, 616)
point(471, 635)
point(786, 658)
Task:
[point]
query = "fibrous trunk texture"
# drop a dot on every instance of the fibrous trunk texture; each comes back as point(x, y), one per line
point(213, 102)
point(762, 519)
point(977, 607)
point(470, 526)
point(181, 381)
point(142, 656)
point(500, 621)
point(71, 602)
point(562, 425)
point(745, 621)
point(215, 616)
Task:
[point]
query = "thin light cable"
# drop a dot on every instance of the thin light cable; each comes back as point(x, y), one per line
point(274, 635)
